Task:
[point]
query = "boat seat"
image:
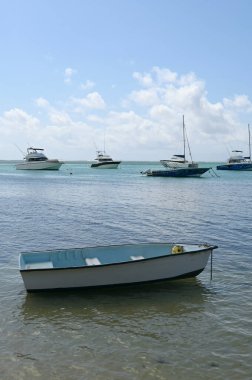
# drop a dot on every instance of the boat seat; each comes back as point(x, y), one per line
point(40, 265)
point(136, 257)
point(93, 261)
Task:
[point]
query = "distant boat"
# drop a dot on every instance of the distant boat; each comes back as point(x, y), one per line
point(179, 161)
point(237, 161)
point(180, 172)
point(36, 160)
point(104, 161)
point(178, 165)
point(112, 265)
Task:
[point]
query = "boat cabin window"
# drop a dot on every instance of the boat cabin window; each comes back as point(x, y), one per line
point(37, 159)
point(233, 160)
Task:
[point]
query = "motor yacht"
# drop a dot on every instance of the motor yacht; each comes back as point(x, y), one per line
point(36, 160)
point(104, 161)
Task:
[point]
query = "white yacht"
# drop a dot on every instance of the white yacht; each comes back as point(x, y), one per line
point(179, 161)
point(237, 161)
point(36, 160)
point(104, 161)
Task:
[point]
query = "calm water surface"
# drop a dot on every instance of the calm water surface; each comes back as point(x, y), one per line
point(188, 329)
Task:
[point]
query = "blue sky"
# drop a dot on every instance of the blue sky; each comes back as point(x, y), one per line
point(72, 72)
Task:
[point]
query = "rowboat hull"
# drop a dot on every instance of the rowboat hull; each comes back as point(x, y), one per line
point(45, 275)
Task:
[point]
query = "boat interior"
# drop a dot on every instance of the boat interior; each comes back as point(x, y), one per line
point(81, 257)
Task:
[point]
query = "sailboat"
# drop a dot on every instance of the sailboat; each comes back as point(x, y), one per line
point(178, 165)
point(179, 160)
point(237, 161)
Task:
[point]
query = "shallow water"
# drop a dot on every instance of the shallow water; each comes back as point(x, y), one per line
point(188, 329)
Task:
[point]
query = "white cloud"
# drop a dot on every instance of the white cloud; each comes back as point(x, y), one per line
point(144, 97)
point(149, 127)
point(58, 117)
point(19, 119)
point(17, 127)
point(87, 85)
point(143, 79)
point(169, 89)
point(188, 79)
point(92, 101)
point(68, 74)
point(239, 102)
point(164, 75)
point(161, 112)
point(42, 102)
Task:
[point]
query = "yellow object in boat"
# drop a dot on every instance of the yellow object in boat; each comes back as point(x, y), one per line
point(177, 249)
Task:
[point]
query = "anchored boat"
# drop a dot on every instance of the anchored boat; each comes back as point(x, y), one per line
point(112, 265)
point(180, 172)
point(104, 161)
point(237, 161)
point(178, 165)
point(179, 161)
point(36, 160)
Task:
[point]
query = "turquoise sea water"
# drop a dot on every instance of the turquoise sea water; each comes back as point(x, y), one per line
point(188, 329)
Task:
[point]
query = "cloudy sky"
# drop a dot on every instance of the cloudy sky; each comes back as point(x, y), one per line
point(76, 73)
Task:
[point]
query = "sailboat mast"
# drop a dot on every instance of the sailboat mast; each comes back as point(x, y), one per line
point(184, 136)
point(104, 142)
point(249, 143)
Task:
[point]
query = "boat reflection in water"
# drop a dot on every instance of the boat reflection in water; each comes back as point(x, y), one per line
point(171, 298)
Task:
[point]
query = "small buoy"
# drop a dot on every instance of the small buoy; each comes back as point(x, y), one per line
point(177, 249)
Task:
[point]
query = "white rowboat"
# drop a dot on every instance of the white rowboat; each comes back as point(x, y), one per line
point(111, 265)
